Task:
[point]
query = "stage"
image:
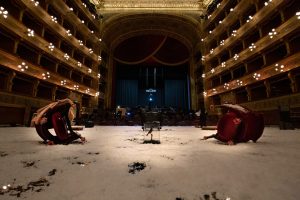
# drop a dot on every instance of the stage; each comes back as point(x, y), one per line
point(115, 164)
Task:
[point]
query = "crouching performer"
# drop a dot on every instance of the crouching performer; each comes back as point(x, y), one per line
point(238, 124)
point(57, 115)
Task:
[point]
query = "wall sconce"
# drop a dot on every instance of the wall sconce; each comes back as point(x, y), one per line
point(69, 33)
point(204, 94)
point(252, 47)
point(211, 51)
point(63, 82)
point(214, 90)
point(222, 42)
point(226, 86)
point(76, 87)
point(279, 68)
point(236, 56)
point(30, 32)
point(46, 75)
point(80, 42)
point(97, 94)
point(94, 16)
point(51, 46)
point(54, 19)
point(272, 33)
point(239, 82)
point(36, 3)
point(79, 64)
point(99, 58)
point(233, 33)
point(298, 15)
point(212, 70)
point(249, 18)
point(223, 64)
point(23, 66)
point(87, 91)
point(203, 76)
point(256, 76)
point(66, 56)
point(90, 51)
point(267, 2)
point(203, 58)
point(99, 76)
point(89, 70)
point(3, 12)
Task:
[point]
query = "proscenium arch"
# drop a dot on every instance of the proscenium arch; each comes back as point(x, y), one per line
point(120, 27)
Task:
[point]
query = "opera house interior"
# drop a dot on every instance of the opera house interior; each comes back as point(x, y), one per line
point(179, 72)
point(172, 56)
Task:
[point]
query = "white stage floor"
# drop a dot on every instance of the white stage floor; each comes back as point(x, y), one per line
point(181, 167)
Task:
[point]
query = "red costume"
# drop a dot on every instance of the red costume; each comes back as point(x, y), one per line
point(239, 125)
point(55, 115)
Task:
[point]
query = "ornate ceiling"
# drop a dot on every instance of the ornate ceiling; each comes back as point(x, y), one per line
point(152, 4)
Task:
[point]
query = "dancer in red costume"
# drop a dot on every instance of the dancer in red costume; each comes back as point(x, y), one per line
point(238, 124)
point(57, 115)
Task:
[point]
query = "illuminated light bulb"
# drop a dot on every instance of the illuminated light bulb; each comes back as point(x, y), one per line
point(226, 86)
point(100, 39)
point(89, 70)
point(249, 18)
point(66, 56)
point(99, 58)
point(231, 9)
point(76, 87)
point(203, 76)
point(91, 51)
point(30, 32)
point(82, 21)
point(54, 19)
point(63, 82)
point(70, 9)
point(233, 33)
point(205, 94)
point(279, 68)
point(23, 66)
point(223, 64)
point(222, 43)
point(4, 187)
point(79, 64)
point(214, 90)
point(236, 56)
point(211, 51)
point(46, 75)
point(210, 31)
point(202, 39)
point(203, 58)
point(94, 16)
point(3, 12)
point(80, 43)
point(239, 82)
point(87, 91)
point(256, 76)
point(267, 2)
point(272, 33)
point(84, 4)
point(99, 75)
point(252, 47)
point(97, 94)
point(92, 31)
point(220, 22)
point(218, 5)
point(209, 16)
point(69, 33)
point(298, 15)
point(212, 70)
point(51, 46)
